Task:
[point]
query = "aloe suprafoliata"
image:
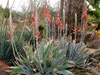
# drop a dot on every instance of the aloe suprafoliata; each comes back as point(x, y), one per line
point(48, 59)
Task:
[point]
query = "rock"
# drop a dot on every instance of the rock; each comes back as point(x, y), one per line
point(92, 40)
point(93, 71)
point(95, 44)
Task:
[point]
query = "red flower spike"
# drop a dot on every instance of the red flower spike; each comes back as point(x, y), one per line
point(46, 12)
point(80, 31)
point(86, 25)
point(11, 35)
point(53, 24)
point(37, 34)
point(47, 15)
point(8, 40)
point(84, 10)
point(61, 26)
point(84, 14)
point(12, 29)
point(75, 28)
point(33, 19)
point(58, 21)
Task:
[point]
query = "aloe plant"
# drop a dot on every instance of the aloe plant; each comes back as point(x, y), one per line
point(6, 52)
point(76, 53)
point(48, 59)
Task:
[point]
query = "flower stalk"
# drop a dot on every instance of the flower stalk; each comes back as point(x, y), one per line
point(84, 22)
point(75, 26)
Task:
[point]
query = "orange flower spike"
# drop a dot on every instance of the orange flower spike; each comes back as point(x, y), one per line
point(8, 40)
point(33, 19)
point(86, 25)
point(38, 19)
point(47, 15)
point(12, 27)
point(75, 28)
point(37, 34)
point(84, 14)
point(58, 21)
point(84, 10)
point(62, 26)
point(11, 35)
point(80, 31)
point(46, 11)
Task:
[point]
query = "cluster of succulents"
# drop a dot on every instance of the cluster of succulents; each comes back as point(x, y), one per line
point(51, 59)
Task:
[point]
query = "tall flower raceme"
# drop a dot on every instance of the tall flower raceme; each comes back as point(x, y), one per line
point(59, 22)
point(37, 33)
point(61, 26)
point(84, 14)
point(86, 25)
point(84, 17)
point(75, 28)
point(11, 32)
point(78, 30)
point(33, 20)
point(47, 15)
point(11, 35)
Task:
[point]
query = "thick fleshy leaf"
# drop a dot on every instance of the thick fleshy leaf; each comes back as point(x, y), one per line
point(37, 74)
point(15, 70)
point(64, 72)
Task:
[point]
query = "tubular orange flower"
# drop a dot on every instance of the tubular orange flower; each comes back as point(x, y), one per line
point(75, 28)
point(61, 26)
point(86, 25)
point(33, 19)
point(84, 10)
point(8, 40)
point(84, 17)
point(47, 15)
point(11, 35)
point(48, 19)
point(84, 14)
point(58, 21)
point(46, 12)
point(37, 34)
point(80, 31)
point(12, 27)
point(33, 26)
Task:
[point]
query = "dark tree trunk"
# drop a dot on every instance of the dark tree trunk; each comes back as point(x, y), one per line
point(72, 7)
point(61, 7)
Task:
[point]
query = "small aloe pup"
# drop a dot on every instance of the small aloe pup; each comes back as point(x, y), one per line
point(48, 59)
